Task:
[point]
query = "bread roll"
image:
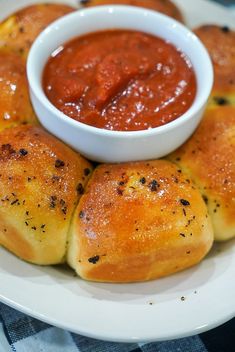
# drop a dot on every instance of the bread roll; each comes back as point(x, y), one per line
point(167, 7)
point(41, 181)
point(138, 221)
point(18, 31)
point(220, 42)
point(15, 105)
point(208, 158)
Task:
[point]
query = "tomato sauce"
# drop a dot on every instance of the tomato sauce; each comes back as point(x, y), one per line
point(120, 80)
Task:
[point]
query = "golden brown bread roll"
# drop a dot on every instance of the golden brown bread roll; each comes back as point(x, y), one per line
point(208, 158)
point(167, 7)
point(138, 221)
point(41, 181)
point(18, 31)
point(15, 105)
point(220, 42)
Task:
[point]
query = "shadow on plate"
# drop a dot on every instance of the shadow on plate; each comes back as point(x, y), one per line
point(188, 281)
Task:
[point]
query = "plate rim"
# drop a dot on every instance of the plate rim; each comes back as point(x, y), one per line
point(120, 338)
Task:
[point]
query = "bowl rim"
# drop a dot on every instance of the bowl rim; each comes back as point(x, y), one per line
point(198, 103)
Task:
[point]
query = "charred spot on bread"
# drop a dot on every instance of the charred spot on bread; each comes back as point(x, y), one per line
point(7, 149)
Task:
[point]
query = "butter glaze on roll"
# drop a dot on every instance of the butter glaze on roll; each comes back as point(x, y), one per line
point(138, 221)
point(208, 158)
point(15, 104)
point(41, 181)
point(220, 42)
point(19, 30)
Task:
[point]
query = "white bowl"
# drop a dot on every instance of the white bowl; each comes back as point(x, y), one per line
point(117, 146)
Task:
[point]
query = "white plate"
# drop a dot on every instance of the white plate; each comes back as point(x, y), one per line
point(150, 311)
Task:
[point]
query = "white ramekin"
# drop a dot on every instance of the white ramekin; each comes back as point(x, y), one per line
point(115, 146)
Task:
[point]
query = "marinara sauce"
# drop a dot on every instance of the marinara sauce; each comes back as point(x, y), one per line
point(120, 80)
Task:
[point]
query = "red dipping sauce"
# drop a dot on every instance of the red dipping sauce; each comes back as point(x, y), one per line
point(120, 80)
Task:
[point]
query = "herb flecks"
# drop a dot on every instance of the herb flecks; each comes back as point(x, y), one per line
point(86, 171)
point(80, 189)
point(94, 260)
point(221, 101)
point(184, 202)
point(81, 214)
point(59, 163)
point(53, 201)
point(23, 152)
point(205, 198)
point(153, 186)
point(143, 180)
point(119, 191)
point(225, 29)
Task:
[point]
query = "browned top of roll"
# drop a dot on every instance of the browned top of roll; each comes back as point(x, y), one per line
point(19, 30)
point(15, 105)
point(138, 221)
point(220, 42)
point(41, 180)
point(208, 156)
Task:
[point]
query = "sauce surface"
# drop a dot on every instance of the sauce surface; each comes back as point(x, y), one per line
point(120, 80)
